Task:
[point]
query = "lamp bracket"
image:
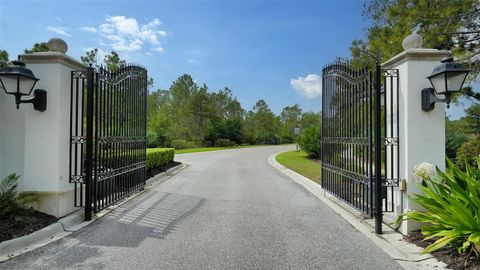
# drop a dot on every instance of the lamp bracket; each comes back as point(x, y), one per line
point(39, 100)
point(429, 98)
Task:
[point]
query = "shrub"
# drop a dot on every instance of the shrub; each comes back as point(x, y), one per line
point(157, 157)
point(468, 153)
point(453, 141)
point(179, 144)
point(272, 139)
point(152, 139)
point(191, 144)
point(224, 143)
point(12, 202)
point(452, 203)
point(309, 141)
point(207, 143)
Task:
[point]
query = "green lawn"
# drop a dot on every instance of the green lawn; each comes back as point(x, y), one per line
point(299, 162)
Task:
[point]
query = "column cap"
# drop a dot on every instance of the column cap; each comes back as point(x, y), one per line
point(415, 54)
point(53, 57)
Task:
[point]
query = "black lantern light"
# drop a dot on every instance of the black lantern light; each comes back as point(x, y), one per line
point(445, 79)
point(19, 81)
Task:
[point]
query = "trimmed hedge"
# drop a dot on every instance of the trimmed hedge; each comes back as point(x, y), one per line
point(157, 157)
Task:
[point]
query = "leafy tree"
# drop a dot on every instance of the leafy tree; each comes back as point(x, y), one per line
point(113, 61)
point(180, 107)
point(473, 119)
point(450, 25)
point(456, 134)
point(289, 118)
point(310, 119)
point(90, 58)
point(200, 110)
point(38, 47)
point(468, 153)
point(3, 58)
point(262, 125)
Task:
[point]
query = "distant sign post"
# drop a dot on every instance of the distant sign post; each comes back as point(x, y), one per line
point(296, 130)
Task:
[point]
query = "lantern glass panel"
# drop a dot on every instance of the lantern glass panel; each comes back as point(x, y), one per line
point(26, 85)
point(438, 83)
point(455, 80)
point(9, 83)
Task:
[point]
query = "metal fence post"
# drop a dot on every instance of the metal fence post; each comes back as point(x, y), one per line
point(89, 145)
point(378, 152)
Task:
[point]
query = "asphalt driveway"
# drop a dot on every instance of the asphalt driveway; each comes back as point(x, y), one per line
point(227, 210)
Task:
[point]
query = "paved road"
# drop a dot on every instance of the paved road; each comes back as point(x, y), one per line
point(226, 210)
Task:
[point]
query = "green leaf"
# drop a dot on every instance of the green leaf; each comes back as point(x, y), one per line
point(474, 238)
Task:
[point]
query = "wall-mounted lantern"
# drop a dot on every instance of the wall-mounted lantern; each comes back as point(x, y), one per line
point(19, 81)
point(446, 79)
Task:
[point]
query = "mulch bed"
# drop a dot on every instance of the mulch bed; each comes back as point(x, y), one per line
point(447, 255)
point(30, 221)
point(154, 171)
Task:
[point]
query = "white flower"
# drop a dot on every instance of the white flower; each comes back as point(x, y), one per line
point(424, 170)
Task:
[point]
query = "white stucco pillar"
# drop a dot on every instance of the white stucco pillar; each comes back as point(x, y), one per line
point(421, 134)
point(47, 134)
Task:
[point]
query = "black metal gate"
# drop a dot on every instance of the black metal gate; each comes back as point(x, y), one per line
point(108, 135)
point(360, 154)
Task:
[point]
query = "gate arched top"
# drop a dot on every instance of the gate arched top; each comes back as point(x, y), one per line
point(345, 70)
point(122, 73)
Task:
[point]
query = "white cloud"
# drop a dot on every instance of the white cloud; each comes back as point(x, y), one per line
point(309, 86)
point(162, 33)
point(158, 49)
point(59, 30)
point(126, 34)
point(89, 29)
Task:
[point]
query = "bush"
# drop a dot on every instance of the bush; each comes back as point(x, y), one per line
point(309, 141)
point(272, 139)
point(452, 204)
point(468, 153)
point(224, 143)
point(12, 203)
point(207, 143)
point(152, 139)
point(191, 144)
point(179, 144)
point(157, 157)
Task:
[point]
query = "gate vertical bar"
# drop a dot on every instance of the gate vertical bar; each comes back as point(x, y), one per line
point(378, 152)
point(89, 146)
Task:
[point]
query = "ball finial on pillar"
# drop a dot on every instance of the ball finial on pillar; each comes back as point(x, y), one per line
point(413, 40)
point(57, 45)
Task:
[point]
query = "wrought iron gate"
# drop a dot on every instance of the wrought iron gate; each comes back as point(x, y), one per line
point(108, 135)
point(360, 157)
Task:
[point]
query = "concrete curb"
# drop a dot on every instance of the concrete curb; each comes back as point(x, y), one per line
point(70, 223)
point(391, 242)
point(162, 177)
point(61, 228)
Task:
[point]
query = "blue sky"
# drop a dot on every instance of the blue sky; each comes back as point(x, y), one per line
point(271, 50)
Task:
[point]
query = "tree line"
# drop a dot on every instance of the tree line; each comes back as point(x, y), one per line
point(188, 113)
